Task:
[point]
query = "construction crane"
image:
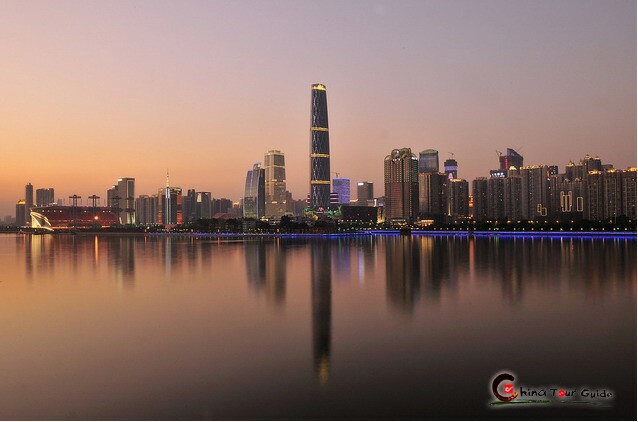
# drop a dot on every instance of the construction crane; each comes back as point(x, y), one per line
point(74, 211)
point(94, 199)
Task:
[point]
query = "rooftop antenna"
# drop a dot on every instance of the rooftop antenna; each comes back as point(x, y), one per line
point(451, 155)
point(167, 185)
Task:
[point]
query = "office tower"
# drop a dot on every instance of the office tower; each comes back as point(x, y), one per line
point(112, 198)
point(126, 192)
point(495, 198)
point(429, 161)
point(612, 187)
point(275, 172)
point(365, 194)
point(190, 206)
point(451, 168)
point(319, 149)
point(204, 205)
point(170, 205)
point(341, 186)
point(629, 193)
point(513, 197)
point(433, 194)
point(44, 197)
point(457, 198)
point(255, 192)
point(535, 192)
point(479, 196)
point(594, 196)
point(21, 212)
point(401, 185)
point(510, 159)
point(222, 206)
point(28, 201)
point(146, 209)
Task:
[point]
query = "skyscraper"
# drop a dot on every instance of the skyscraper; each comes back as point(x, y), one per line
point(479, 193)
point(534, 192)
point(126, 192)
point(510, 159)
point(365, 193)
point(255, 192)
point(457, 198)
point(451, 168)
point(341, 187)
point(429, 161)
point(275, 172)
point(28, 203)
point(401, 186)
point(44, 197)
point(319, 149)
point(21, 212)
point(433, 194)
point(169, 204)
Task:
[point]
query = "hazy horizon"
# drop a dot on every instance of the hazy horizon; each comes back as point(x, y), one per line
point(98, 91)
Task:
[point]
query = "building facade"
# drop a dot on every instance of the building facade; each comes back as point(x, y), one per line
point(401, 185)
point(429, 161)
point(275, 173)
point(255, 192)
point(319, 148)
point(341, 186)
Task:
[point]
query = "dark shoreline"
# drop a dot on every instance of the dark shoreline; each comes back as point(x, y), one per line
point(458, 233)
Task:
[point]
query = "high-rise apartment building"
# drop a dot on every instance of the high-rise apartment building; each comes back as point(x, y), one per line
point(44, 197)
point(255, 192)
point(146, 209)
point(365, 194)
point(629, 193)
point(495, 198)
point(535, 192)
point(479, 195)
point(457, 198)
point(275, 173)
point(401, 185)
point(319, 149)
point(341, 186)
point(429, 161)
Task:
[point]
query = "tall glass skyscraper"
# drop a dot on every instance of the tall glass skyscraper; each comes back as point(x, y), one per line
point(255, 193)
point(319, 149)
point(274, 164)
point(429, 161)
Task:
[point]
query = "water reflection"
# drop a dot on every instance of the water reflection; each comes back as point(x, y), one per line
point(363, 314)
point(321, 279)
point(266, 269)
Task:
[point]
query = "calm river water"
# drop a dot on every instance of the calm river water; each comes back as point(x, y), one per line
point(374, 327)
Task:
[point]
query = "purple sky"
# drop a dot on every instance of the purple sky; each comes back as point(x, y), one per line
point(92, 91)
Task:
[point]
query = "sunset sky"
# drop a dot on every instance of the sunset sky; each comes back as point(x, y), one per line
point(91, 91)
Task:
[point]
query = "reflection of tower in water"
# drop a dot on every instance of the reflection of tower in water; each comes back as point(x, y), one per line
point(321, 265)
point(266, 269)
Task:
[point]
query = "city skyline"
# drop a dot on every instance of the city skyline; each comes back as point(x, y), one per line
point(550, 88)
